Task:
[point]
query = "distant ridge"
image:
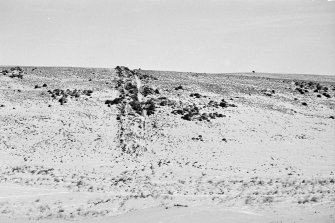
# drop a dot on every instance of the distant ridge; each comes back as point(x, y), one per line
point(290, 76)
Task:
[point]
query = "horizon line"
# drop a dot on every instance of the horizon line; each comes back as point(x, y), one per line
point(237, 72)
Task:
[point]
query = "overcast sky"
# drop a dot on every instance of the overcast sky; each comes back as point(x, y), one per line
point(291, 36)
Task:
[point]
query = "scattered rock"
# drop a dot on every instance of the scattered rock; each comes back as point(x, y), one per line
point(14, 72)
point(225, 104)
point(16, 69)
point(178, 112)
point(86, 92)
point(192, 112)
point(147, 107)
point(198, 138)
point(130, 88)
point(4, 72)
point(62, 95)
point(147, 90)
point(268, 92)
point(301, 91)
point(304, 87)
point(142, 75)
point(163, 101)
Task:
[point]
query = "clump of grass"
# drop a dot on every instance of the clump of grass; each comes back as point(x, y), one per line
point(314, 199)
point(268, 199)
point(307, 199)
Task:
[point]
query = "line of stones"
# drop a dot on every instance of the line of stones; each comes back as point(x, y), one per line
point(131, 133)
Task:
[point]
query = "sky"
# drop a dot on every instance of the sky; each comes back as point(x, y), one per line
point(279, 36)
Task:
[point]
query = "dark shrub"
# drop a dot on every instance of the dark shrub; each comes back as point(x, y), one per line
point(223, 104)
point(147, 91)
point(163, 103)
point(150, 107)
point(186, 117)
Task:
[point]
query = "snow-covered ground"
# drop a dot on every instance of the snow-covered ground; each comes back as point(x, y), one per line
point(270, 158)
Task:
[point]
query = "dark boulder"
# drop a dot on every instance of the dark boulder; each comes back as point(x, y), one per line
point(179, 88)
point(62, 100)
point(114, 101)
point(301, 91)
point(223, 104)
point(196, 95)
point(213, 104)
point(178, 112)
point(326, 95)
